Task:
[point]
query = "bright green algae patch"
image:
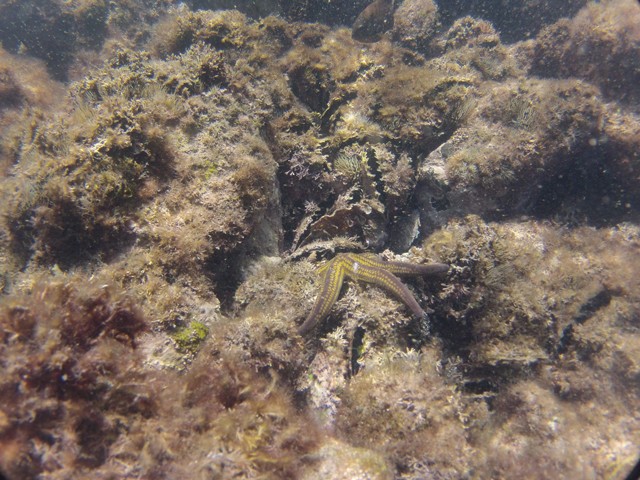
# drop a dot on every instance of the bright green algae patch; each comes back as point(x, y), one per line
point(189, 339)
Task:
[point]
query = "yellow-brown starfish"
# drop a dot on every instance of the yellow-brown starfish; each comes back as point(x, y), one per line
point(368, 268)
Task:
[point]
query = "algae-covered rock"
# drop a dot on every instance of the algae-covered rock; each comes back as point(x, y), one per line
point(341, 461)
point(415, 23)
point(476, 43)
point(514, 19)
point(108, 171)
point(524, 151)
point(600, 44)
point(60, 32)
point(529, 303)
point(212, 163)
point(24, 86)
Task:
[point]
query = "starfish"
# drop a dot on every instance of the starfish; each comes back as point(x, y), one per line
point(371, 269)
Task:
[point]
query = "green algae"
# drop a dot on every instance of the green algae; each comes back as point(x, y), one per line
point(190, 338)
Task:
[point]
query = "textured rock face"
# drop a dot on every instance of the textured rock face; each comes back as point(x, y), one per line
point(515, 20)
point(415, 24)
point(601, 45)
point(165, 216)
point(517, 151)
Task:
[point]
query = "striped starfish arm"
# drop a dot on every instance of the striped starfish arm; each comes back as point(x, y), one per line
point(416, 269)
point(371, 269)
point(400, 268)
point(389, 282)
point(332, 280)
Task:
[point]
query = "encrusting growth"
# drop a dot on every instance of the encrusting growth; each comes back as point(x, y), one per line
point(371, 269)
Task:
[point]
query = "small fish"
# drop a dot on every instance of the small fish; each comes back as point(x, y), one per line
point(373, 21)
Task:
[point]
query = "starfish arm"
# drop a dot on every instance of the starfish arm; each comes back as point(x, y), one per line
point(333, 278)
point(367, 268)
point(389, 282)
point(404, 268)
point(399, 268)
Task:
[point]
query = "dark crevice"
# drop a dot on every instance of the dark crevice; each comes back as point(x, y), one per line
point(222, 269)
point(585, 191)
point(587, 310)
point(356, 350)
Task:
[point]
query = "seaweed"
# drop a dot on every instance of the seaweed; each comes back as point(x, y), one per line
point(164, 214)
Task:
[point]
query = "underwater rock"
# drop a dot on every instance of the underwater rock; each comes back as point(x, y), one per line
point(600, 44)
point(402, 404)
point(47, 30)
point(415, 24)
point(527, 324)
point(10, 91)
point(619, 144)
point(254, 10)
point(67, 34)
point(471, 32)
point(24, 82)
point(514, 19)
point(126, 139)
point(475, 42)
point(328, 375)
point(340, 461)
point(522, 140)
point(226, 30)
point(209, 164)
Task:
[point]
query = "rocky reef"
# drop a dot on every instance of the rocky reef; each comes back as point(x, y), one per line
point(172, 178)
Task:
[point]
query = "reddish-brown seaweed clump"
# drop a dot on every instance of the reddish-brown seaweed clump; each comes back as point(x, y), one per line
point(70, 369)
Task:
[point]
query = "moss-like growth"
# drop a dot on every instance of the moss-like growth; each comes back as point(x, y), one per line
point(521, 130)
point(221, 30)
point(389, 402)
point(58, 31)
point(189, 339)
point(515, 20)
point(210, 173)
point(599, 44)
point(112, 143)
point(24, 85)
point(525, 323)
point(415, 23)
point(477, 44)
point(69, 370)
point(77, 397)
